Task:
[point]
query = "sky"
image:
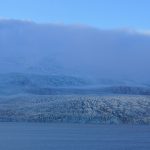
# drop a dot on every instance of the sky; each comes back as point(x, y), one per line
point(104, 14)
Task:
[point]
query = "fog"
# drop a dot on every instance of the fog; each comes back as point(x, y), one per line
point(28, 47)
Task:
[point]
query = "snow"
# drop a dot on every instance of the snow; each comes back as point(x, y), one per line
point(123, 109)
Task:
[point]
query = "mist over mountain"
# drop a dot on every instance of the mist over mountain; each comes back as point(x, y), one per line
point(74, 50)
point(73, 74)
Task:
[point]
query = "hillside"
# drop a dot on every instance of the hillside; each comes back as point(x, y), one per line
point(76, 109)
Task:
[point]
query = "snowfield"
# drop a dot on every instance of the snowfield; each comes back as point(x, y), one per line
point(122, 109)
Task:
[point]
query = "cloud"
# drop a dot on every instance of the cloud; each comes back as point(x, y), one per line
point(26, 46)
point(144, 32)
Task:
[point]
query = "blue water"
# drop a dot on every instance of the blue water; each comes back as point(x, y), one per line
point(44, 136)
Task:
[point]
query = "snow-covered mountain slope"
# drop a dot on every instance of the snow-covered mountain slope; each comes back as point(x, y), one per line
point(43, 61)
point(81, 109)
point(15, 83)
point(21, 83)
point(27, 47)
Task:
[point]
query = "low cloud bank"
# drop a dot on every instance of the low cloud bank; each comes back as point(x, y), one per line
point(28, 47)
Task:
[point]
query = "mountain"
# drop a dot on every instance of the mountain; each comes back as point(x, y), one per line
point(21, 83)
point(15, 83)
point(58, 73)
point(55, 55)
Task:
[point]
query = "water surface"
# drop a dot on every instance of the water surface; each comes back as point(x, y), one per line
point(45, 136)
